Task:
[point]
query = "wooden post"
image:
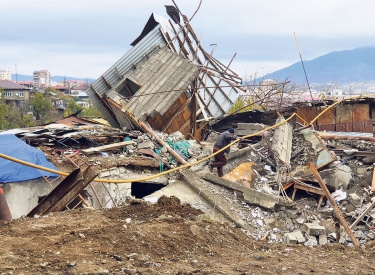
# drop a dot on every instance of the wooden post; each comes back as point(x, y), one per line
point(373, 180)
point(170, 150)
point(193, 106)
point(338, 137)
point(334, 205)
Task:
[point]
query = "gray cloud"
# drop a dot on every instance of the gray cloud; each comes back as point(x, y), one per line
point(83, 38)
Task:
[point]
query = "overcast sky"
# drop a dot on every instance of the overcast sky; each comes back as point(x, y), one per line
point(83, 38)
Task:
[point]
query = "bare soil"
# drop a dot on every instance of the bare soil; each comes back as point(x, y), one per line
point(164, 238)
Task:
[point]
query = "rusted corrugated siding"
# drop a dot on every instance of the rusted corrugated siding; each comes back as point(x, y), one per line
point(343, 118)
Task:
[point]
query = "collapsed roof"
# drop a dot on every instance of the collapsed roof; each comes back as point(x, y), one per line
point(165, 78)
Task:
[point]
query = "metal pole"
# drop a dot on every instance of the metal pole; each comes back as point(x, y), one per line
point(334, 205)
point(308, 84)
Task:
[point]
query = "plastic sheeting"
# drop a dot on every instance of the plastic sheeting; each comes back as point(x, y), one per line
point(11, 171)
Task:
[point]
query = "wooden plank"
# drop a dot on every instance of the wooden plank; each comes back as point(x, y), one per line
point(65, 192)
point(108, 147)
point(373, 180)
point(334, 205)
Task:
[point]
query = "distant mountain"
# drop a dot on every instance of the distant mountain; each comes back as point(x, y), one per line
point(61, 78)
point(21, 77)
point(340, 67)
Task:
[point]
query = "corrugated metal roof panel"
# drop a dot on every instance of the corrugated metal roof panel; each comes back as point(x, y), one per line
point(150, 43)
point(124, 65)
point(163, 71)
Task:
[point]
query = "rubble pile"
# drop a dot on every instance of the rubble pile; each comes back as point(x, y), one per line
point(288, 205)
point(347, 173)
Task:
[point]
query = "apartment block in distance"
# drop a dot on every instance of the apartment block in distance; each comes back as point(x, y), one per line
point(42, 79)
point(15, 93)
point(5, 74)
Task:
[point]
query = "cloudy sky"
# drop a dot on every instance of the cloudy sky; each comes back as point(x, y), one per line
point(83, 38)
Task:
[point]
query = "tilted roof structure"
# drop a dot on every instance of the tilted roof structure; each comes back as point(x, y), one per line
point(167, 63)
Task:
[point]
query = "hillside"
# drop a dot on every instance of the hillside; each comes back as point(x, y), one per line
point(340, 67)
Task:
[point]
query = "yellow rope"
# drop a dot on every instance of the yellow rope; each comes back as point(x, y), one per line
point(176, 168)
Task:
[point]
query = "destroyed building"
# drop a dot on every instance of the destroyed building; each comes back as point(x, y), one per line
point(298, 170)
point(166, 79)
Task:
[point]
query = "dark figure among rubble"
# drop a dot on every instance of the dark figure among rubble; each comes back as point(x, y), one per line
point(220, 160)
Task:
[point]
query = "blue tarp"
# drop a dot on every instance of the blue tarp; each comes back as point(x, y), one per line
point(11, 171)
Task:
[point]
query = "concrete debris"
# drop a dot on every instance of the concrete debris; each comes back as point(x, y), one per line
point(268, 188)
point(244, 129)
point(312, 229)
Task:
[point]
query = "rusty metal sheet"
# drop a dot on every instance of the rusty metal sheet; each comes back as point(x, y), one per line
point(329, 117)
point(307, 113)
point(364, 126)
point(361, 112)
point(344, 113)
point(327, 127)
point(65, 192)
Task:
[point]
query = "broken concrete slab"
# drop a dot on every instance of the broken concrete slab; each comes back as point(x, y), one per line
point(311, 241)
point(244, 129)
point(324, 156)
point(323, 239)
point(313, 229)
point(340, 177)
point(185, 193)
point(250, 195)
point(282, 142)
point(218, 203)
point(300, 238)
point(355, 199)
point(295, 237)
point(243, 173)
point(290, 238)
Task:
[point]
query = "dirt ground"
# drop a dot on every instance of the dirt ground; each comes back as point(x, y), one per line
point(164, 238)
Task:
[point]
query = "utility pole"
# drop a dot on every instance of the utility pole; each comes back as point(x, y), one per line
point(16, 73)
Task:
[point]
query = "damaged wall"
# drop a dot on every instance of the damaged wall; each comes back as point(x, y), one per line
point(23, 196)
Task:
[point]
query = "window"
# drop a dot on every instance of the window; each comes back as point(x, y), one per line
point(8, 93)
point(21, 94)
point(127, 88)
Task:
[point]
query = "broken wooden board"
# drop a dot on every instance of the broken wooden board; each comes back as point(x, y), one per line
point(65, 192)
point(373, 180)
point(108, 147)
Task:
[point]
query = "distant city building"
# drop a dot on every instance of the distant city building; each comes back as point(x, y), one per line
point(28, 84)
point(5, 74)
point(42, 79)
point(73, 83)
point(15, 93)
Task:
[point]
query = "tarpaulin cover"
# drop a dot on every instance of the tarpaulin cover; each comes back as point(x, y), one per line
point(11, 171)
